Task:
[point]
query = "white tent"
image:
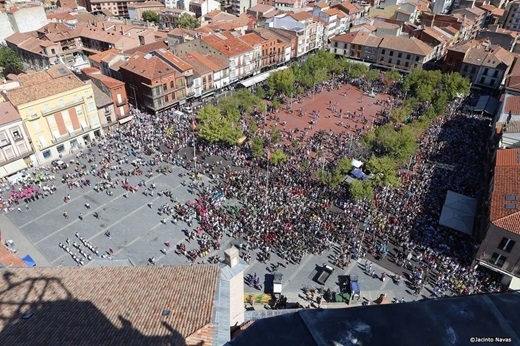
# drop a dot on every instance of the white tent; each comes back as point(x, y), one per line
point(459, 212)
point(356, 163)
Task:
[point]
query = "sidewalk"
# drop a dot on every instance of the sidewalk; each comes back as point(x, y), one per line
point(21, 243)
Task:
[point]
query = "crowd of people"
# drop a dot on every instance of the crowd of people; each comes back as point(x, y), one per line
point(283, 210)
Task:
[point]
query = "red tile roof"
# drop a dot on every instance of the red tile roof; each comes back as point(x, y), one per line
point(38, 85)
point(505, 198)
point(8, 114)
point(512, 105)
point(148, 66)
point(108, 305)
point(230, 46)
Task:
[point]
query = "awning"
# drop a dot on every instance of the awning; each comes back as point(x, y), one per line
point(487, 104)
point(459, 212)
point(515, 284)
point(356, 163)
point(125, 120)
point(357, 173)
point(29, 261)
point(260, 77)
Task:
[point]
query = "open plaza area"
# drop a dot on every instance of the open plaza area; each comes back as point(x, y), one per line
point(135, 197)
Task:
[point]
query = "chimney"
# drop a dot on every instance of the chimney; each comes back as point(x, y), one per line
point(231, 256)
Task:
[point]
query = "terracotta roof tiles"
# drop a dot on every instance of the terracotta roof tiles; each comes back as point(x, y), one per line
point(108, 305)
point(148, 66)
point(505, 198)
point(42, 84)
point(8, 114)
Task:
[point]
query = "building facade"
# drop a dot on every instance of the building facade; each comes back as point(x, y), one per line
point(16, 152)
point(58, 110)
point(499, 250)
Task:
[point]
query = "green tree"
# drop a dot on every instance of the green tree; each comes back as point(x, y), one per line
point(356, 70)
point(10, 61)
point(400, 114)
point(252, 127)
point(399, 144)
point(278, 156)
point(360, 190)
point(260, 93)
point(390, 77)
point(150, 16)
point(455, 85)
point(217, 127)
point(372, 74)
point(384, 171)
point(331, 179)
point(281, 82)
point(344, 166)
point(275, 135)
point(257, 146)
point(187, 22)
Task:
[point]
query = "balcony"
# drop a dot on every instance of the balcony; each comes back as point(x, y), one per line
point(122, 103)
point(18, 138)
point(61, 107)
point(4, 143)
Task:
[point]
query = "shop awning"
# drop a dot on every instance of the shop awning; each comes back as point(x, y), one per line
point(125, 120)
point(29, 261)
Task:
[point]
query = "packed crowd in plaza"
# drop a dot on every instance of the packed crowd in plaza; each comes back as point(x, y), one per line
point(283, 209)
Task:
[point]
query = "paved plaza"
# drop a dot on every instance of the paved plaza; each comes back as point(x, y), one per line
point(138, 232)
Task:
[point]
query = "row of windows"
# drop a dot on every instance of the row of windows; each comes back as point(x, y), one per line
point(505, 245)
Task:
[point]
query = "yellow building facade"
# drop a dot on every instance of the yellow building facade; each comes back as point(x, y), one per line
point(58, 110)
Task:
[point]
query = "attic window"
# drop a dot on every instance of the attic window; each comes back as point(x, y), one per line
point(510, 206)
point(166, 312)
point(511, 198)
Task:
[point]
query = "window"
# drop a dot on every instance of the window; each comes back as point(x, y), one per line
point(47, 154)
point(482, 80)
point(60, 148)
point(79, 110)
point(473, 69)
point(91, 106)
point(398, 62)
point(408, 56)
point(16, 134)
point(399, 55)
point(406, 64)
point(497, 260)
point(391, 53)
point(485, 73)
point(383, 51)
point(506, 244)
point(3, 139)
point(495, 74)
point(62, 103)
point(172, 85)
point(164, 87)
point(416, 58)
point(389, 60)
point(465, 69)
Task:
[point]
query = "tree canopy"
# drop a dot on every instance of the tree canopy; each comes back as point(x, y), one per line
point(384, 170)
point(399, 144)
point(187, 22)
point(278, 156)
point(150, 16)
point(360, 190)
point(217, 127)
point(10, 61)
point(281, 82)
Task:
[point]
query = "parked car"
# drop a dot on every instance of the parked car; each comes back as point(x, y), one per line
point(59, 164)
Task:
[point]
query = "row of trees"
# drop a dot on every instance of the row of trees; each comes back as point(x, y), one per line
point(184, 21)
point(319, 68)
point(427, 96)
